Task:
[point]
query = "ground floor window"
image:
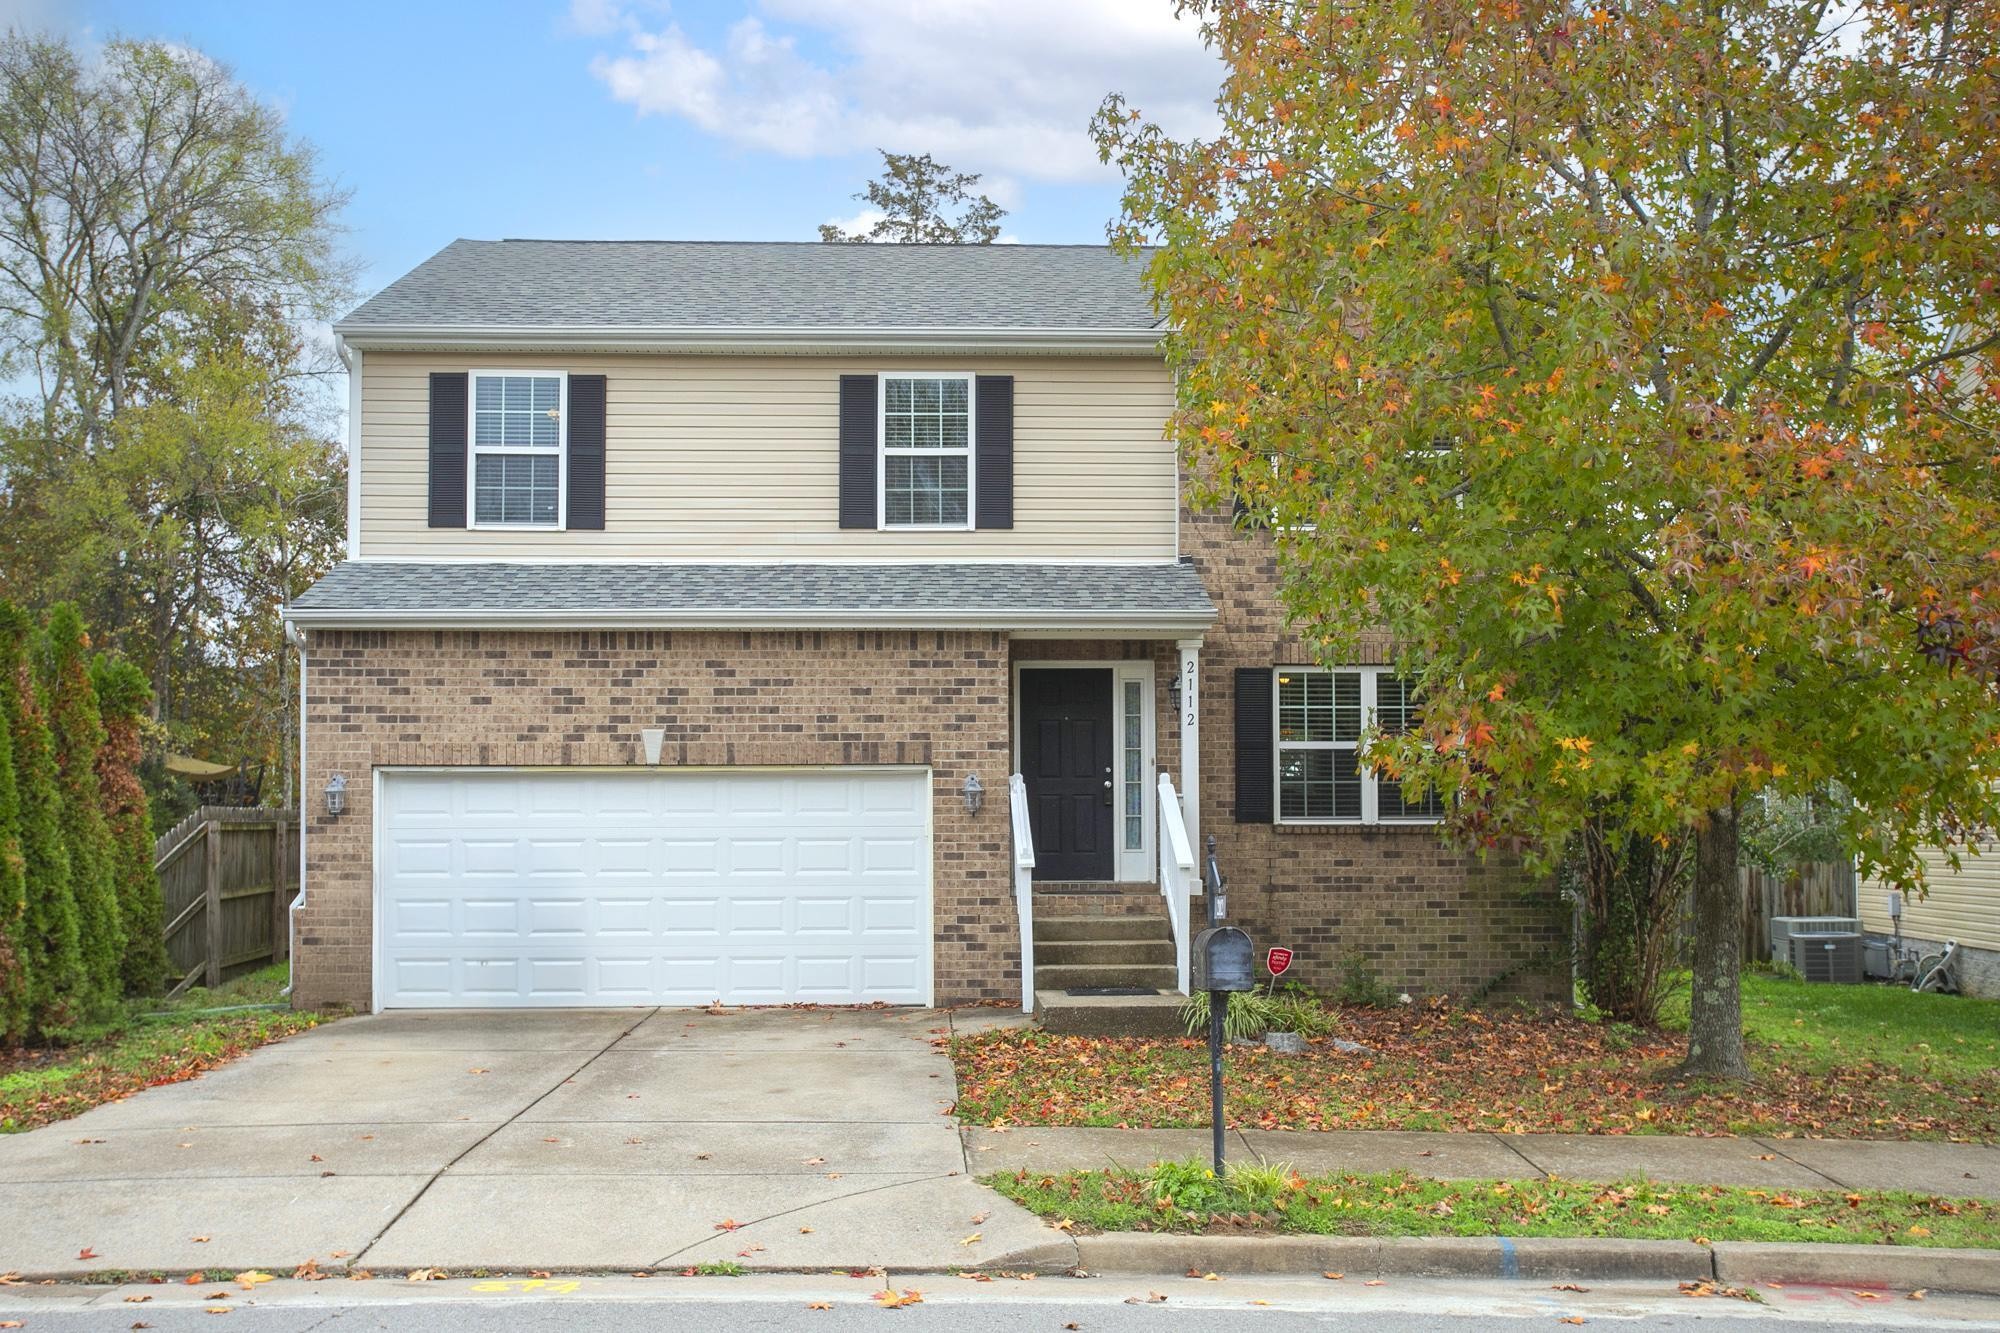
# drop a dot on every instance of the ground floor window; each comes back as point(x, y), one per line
point(1322, 775)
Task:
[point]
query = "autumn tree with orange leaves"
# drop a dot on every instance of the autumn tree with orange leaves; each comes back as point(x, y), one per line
point(1638, 369)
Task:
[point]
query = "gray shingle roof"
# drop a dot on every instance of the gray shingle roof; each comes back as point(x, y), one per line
point(1002, 596)
point(588, 285)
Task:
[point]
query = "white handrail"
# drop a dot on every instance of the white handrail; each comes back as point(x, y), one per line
point(1024, 885)
point(1177, 872)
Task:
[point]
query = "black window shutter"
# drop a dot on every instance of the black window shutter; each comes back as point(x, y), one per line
point(586, 453)
point(1255, 774)
point(857, 452)
point(994, 446)
point(447, 441)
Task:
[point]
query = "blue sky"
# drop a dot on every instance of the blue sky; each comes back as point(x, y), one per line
point(634, 118)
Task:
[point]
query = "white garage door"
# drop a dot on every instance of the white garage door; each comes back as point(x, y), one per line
point(498, 888)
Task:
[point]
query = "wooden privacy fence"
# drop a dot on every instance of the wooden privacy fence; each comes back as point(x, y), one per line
point(228, 876)
point(1822, 888)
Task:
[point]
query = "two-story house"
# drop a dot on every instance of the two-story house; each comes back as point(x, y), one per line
point(703, 599)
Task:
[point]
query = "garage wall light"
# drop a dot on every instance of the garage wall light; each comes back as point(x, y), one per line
point(336, 794)
point(975, 795)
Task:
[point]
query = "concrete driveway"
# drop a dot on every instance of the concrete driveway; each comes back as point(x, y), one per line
point(613, 1139)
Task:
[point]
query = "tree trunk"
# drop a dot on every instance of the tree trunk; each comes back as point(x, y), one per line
point(1715, 1003)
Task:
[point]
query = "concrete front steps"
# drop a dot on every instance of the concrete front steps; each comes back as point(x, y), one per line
point(1118, 936)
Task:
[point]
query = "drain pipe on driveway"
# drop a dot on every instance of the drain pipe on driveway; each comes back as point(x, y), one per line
point(297, 638)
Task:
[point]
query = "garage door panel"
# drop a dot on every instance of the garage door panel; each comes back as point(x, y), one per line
point(825, 916)
point(624, 856)
point(889, 856)
point(890, 972)
point(629, 978)
point(491, 858)
point(755, 916)
point(691, 856)
point(416, 917)
point(691, 976)
point(489, 916)
point(619, 917)
point(550, 888)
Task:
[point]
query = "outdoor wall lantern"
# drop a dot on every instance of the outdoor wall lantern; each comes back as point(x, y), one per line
point(975, 795)
point(336, 794)
point(1174, 694)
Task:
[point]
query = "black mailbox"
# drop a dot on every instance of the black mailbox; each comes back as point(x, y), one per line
point(1221, 959)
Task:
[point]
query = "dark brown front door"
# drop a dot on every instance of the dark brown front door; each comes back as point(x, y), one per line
point(1066, 759)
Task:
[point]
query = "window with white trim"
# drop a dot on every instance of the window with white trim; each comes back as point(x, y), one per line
point(517, 471)
point(1322, 775)
point(926, 455)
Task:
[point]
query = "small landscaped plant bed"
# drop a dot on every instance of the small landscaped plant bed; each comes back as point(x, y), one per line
point(1187, 1197)
point(203, 1029)
point(1832, 1061)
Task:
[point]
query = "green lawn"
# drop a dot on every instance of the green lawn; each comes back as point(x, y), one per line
point(1823, 1027)
point(152, 1043)
point(1832, 1061)
point(1183, 1197)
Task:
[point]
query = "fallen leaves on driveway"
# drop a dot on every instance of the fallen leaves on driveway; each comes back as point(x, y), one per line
point(891, 1299)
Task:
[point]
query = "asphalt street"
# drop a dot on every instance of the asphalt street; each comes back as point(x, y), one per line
point(836, 1304)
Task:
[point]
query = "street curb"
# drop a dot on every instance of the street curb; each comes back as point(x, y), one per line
point(1732, 1263)
point(1971, 1272)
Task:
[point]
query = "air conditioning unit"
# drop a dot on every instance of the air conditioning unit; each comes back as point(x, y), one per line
point(1784, 927)
point(1876, 958)
point(1828, 956)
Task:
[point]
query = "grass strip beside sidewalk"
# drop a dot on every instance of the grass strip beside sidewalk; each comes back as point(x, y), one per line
point(148, 1046)
point(1185, 1198)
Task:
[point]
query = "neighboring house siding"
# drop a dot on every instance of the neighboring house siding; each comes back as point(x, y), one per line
point(1422, 916)
point(1962, 905)
point(575, 699)
point(728, 457)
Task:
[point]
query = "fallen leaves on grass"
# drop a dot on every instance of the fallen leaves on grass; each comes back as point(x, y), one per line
point(53, 1088)
point(1443, 1068)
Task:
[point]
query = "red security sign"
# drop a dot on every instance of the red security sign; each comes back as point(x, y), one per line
point(1278, 960)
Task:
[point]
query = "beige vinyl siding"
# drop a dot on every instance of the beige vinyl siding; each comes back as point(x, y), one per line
point(1962, 905)
point(736, 457)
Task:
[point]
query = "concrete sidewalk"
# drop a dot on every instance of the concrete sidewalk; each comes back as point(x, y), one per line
point(1954, 1169)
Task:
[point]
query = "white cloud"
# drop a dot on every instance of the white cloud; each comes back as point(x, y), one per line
point(997, 86)
point(863, 221)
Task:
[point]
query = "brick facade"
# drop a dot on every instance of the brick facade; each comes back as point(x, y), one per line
point(567, 698)
point(1425, 918)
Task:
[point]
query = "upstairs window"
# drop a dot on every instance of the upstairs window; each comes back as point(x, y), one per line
point(1322, 776)
point(518, 427)
point(926, 455)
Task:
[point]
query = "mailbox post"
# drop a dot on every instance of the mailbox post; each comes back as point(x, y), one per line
point(1223, 964)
